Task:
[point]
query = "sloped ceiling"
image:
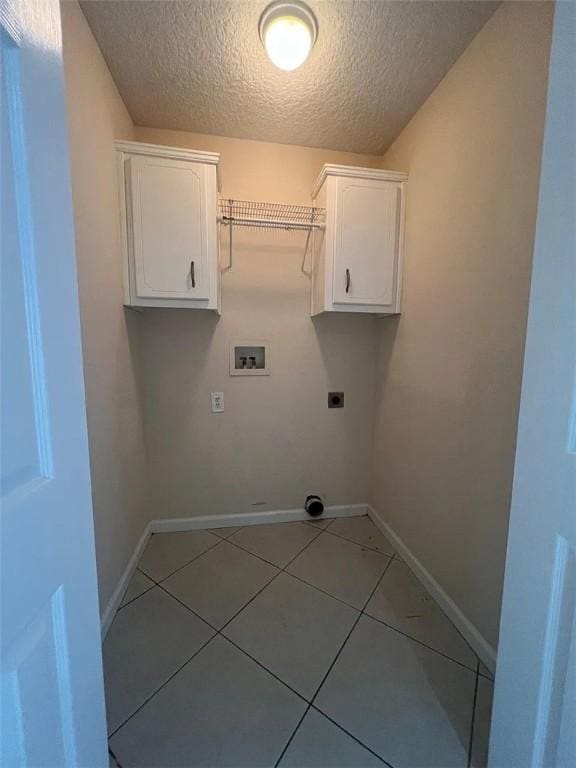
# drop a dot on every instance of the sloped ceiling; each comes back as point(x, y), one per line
point(199, 66)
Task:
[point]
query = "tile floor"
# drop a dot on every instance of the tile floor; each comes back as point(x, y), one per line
point(298, 645)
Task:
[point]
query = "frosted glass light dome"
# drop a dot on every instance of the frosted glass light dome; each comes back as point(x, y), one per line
point(288, 31)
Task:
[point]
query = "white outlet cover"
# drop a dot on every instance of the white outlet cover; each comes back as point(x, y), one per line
point(217, 402)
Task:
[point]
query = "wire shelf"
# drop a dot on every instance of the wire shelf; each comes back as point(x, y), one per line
point(258, 215)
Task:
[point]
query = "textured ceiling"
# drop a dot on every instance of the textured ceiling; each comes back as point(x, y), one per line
point(199, 66)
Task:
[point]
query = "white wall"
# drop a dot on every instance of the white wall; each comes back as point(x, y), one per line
point(450, 367)
point(97, 116)
point(276, 440)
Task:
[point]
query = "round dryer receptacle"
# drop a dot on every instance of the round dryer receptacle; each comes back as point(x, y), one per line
point(335, 399)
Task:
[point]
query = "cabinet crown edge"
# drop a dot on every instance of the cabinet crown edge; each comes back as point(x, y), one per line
point(174, 153)
point(162, 150)
point(356, 172)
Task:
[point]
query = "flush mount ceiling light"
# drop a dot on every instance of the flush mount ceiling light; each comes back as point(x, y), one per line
point(288, 31)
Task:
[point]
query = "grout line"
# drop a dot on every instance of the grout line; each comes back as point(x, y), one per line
point(323, 528)
point(239, 611)
point(183, 604)
point(442, 610)
point(354, 625)
point(335, 659)
point(120, 607)
point(277, 763)
point(485, 675)
point(398, 559)
point(265, 668)
point(365, 546)
point(280, 570)
point(355, 738)
point(259, 557)
point(212, 546)
point(158, 583)
point(474, 702)
point(118, 763)
point(180, 668)
point(384, 572)
point(213, 531)
point(339, 599)
point(415, 640)
point(319, 532)
point(360, 614)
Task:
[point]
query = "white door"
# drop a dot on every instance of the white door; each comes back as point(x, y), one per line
point(366, 242)
point(170, 232)
point(52, 708)
point(534, 715)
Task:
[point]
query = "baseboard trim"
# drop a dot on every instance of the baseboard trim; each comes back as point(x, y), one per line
point(470, 632)
point(251, 518)
point(114, 602)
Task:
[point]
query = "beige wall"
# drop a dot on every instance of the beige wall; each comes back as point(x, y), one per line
point(450, 367)
point(276, 440)
point(97, 116)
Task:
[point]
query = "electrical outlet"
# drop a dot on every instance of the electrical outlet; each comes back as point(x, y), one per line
point(217, 402)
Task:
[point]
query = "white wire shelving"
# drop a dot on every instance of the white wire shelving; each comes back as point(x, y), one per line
point(271, 216)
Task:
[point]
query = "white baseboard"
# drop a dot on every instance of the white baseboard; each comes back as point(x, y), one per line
point(114, 602)
point(251, 518)
point(469, 631)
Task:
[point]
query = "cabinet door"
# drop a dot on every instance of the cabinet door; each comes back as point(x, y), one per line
point(170, 206)
point(366, 242)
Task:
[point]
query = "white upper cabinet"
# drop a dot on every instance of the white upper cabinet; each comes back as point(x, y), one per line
point(169, 207)
point(358, 258)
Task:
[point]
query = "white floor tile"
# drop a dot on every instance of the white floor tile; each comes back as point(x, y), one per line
point(166, 552)
point(402, 602)
point(318, 743)
point(294, 630)
point(223, 533)
point(220, 582)
point(319, 522)
point(222, 709)
point(482, 716)
point(407, 703)
point(278, 542)
point(341, 568)
point(363, 531)
point(139, 583)
point(148, 641)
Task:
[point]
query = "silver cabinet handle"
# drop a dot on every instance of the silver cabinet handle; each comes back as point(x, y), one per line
point(192, 274)
point(347, 281)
